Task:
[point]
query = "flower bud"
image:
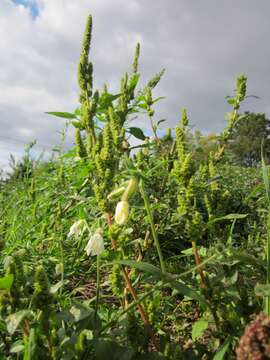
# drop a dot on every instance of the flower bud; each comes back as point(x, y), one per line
point(121, 212)
point(130, 189)
point(116, 193)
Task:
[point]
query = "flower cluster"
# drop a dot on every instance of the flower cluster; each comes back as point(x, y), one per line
point(255, 343)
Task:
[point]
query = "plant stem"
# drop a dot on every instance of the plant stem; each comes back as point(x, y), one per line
point(131, 306)
point(204, 283)
point(154, 129)
point(109, 222)
point(132, 291)
point(154, 233)
point(140, 308)
point(267, 250)
point(198, 262)
point(98, 289)
point(267, 303)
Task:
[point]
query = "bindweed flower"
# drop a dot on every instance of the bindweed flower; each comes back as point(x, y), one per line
point(77, 229)
point(121, 212)
point(95, 245)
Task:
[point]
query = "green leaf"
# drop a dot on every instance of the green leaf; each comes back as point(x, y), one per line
point(166, 278)
point(187, 291)
point(3, 326)
point(187, 252)
point(234, 278)
point(13, 321)
point(17, 347)
point(266, 179)
point(65, 115)
point(78, 125)
point(158, 99)
point(77, 111)
point(106, 100)
point(198, 328)
point(85, 317)
point(137, 132)
point(6, 282)
point(248, 259)
point(262, 290)
point(160, 121)
point(142, 106)
point(228, 217)
point(54, 288)
point(31, 346)
point(231, 101)
point(103, 348)
point(254, 193)
point(133, 82)
point(223, 349)
point(143, 266)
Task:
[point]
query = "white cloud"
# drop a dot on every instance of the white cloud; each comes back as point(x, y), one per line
point(203, 45)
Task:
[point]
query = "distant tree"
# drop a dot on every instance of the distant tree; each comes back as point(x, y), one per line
point(247, 137)
point(203, 145)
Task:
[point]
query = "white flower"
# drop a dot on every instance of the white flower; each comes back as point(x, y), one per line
point(121, 212)
point(77, 229)
point(95, 245)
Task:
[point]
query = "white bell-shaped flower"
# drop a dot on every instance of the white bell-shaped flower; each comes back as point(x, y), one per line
point(121, 212)
point(77, 229)
point(95, 245)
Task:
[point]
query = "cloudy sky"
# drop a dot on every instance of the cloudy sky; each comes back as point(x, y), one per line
point(202, 44)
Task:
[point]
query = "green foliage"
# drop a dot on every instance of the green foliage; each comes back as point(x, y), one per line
point(184, 260)
point(248, 134)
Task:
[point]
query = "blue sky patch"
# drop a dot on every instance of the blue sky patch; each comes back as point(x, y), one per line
point(30, 4)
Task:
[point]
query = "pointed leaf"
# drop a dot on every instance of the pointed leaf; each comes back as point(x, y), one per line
point(133, 82)
point(262, 290)
point(223, 349)
point(160, 121)
point(17, 347)
point(54, 288)
point(166, 278)
point(6, 282)
point(137, 132)
point(106, 100)
point(78, 125)
point(13, 321)
point(266, 179)
point(143, 266)
point(158, 99)
point(228, 217)
point(105, 347)
point(31, 346)
point(85, 317)
point(198, 328)
point(65, 115)
point(187, 291)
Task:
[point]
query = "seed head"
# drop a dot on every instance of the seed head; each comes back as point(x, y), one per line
point(255, 343)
